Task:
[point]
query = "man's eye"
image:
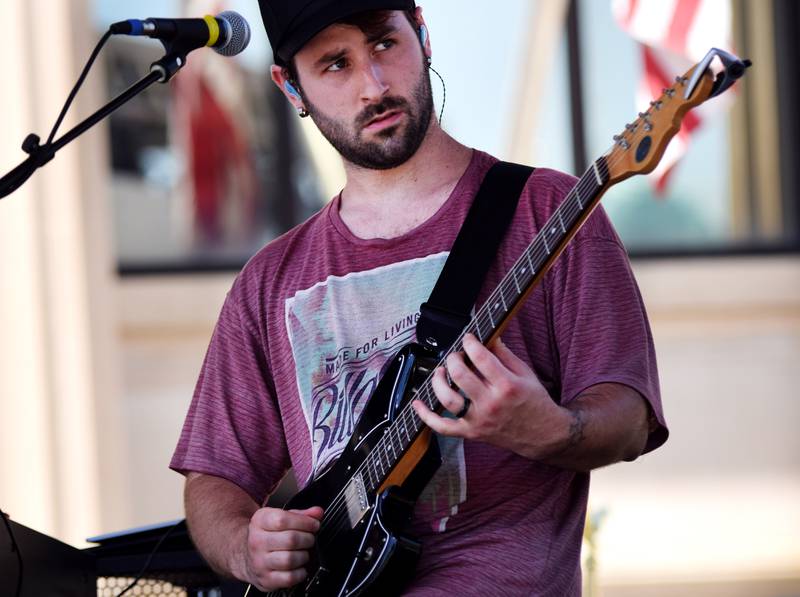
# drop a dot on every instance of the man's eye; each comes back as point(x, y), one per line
point(337, 66)
point(384, 44)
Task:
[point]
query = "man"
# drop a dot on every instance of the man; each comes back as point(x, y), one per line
point(314, 315)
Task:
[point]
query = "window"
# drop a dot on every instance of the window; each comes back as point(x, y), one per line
point(734, 188)
point(205, 169)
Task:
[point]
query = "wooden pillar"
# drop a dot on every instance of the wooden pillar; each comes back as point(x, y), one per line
point(545, 29)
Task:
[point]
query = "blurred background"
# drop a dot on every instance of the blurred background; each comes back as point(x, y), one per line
point(115, 258)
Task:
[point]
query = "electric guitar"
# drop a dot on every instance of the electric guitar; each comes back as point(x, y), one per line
point(369, 493)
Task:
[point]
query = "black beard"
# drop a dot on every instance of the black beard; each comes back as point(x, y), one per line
point(395, 148)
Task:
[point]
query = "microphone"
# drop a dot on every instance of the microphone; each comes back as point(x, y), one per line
point(227, 33)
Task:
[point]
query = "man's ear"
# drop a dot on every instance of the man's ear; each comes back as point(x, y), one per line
point(280, 76)
point(420, 21)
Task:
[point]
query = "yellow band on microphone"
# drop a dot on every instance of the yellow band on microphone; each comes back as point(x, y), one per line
point(213, 30)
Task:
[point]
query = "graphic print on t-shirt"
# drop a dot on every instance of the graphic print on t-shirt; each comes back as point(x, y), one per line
point(342, 331)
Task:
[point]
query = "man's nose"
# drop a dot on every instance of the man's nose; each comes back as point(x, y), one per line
point(374, 87)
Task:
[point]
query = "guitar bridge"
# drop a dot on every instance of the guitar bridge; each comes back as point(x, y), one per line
point(355, 495)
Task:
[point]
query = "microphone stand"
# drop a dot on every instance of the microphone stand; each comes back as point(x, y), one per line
point(161, 71)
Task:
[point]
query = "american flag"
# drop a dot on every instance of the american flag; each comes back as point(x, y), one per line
point(673, 35)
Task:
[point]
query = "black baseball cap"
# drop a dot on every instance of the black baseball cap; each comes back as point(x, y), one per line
point(290, 24)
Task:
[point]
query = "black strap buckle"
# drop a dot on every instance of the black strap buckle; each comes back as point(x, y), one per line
point(438, 328)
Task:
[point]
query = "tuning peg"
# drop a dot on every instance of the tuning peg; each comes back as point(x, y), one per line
point(648, 126)
point(620, 140)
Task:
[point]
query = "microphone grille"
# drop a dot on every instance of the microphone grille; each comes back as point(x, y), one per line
point(238, 31)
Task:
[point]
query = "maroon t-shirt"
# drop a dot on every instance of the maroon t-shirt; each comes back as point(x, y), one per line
point(313, 317)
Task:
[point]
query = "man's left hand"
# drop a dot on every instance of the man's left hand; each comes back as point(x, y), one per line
point(510, 408)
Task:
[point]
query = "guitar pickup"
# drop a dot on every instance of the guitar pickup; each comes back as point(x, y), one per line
point(355, 495)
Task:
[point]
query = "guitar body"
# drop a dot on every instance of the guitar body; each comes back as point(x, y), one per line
point(361, 551)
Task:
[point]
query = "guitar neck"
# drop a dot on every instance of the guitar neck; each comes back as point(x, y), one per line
point(490, 320)
point(537, 259)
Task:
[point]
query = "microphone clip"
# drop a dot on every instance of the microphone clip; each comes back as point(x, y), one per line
point(168, 65)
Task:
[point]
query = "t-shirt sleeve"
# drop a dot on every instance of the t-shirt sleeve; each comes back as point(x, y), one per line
point(600, 326)
point(233, 428)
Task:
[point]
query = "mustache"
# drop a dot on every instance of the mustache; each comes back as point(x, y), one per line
point(374, 110)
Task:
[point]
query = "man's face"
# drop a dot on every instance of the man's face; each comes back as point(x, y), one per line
point(369, 95)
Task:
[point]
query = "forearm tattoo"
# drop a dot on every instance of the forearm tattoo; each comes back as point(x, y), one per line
point(576, 428)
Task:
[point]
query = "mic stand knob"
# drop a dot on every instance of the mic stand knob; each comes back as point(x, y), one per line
point(41, 154)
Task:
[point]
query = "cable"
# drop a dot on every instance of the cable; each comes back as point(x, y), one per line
point(14, 548)
point(75, 89)
point(40, 153)
point(150, 558)
point(444, 93)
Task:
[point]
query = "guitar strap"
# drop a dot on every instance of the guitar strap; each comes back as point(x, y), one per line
point(447, 311)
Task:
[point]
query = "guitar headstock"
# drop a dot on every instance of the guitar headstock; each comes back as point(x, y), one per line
point(638, 149)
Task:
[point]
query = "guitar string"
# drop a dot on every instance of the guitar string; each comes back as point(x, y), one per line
point(336, 515)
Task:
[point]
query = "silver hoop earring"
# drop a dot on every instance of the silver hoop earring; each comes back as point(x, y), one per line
point(302, 112)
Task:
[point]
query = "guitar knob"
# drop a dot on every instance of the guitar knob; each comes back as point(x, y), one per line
point(366, 554)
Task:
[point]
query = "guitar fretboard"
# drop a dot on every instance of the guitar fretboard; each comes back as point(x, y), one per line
point(528, 270)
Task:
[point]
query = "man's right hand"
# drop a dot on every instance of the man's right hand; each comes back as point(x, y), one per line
point(277, 546)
